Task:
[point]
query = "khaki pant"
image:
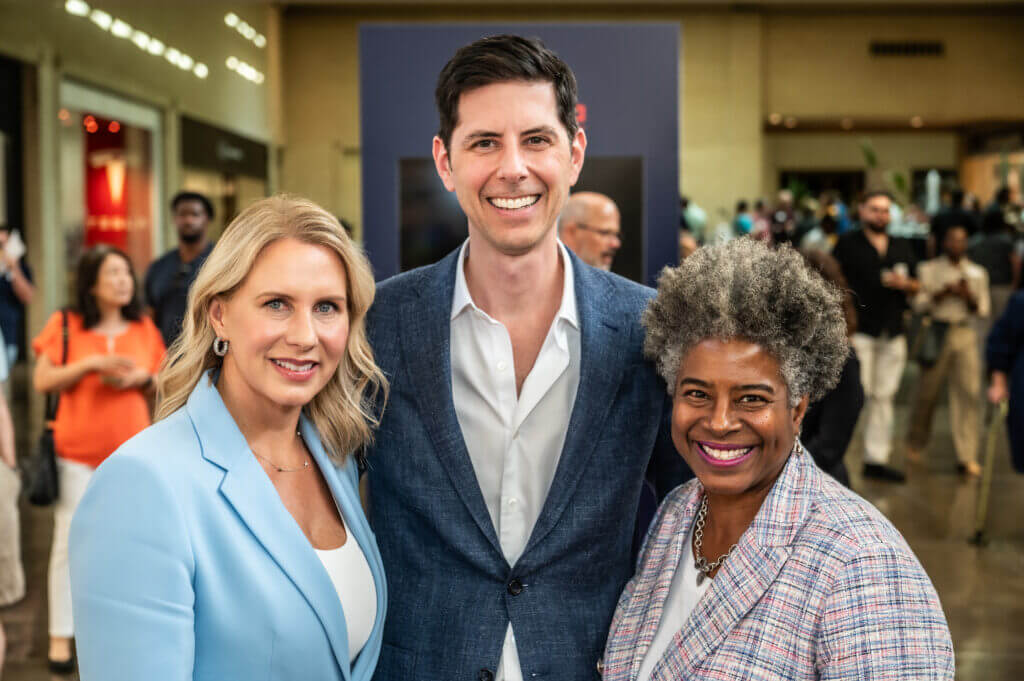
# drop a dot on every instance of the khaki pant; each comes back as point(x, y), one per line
point(73, 478)
point(882, 361)
point(960, 362)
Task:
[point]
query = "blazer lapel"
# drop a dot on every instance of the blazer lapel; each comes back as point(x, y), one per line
point(426, 350)
point(346, 495)
point(747, 574)
point(602, 335)
point(249, 491)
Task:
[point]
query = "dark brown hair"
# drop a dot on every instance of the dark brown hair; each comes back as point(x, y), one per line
point(499, 59)
point(828, 267)
point(89, 271)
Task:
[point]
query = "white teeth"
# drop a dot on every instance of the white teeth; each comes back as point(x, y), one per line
point(512, 204)
point(725, 454)
point(291, 366)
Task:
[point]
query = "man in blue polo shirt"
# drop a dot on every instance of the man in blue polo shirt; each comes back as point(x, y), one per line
point(170, 277)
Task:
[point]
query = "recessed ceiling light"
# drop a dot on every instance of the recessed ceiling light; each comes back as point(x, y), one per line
point(231, 19)
point(121, 29)
point(200, 70)
point(101, 19)
point(77, 7)
point(155, 47)
point(140, 39)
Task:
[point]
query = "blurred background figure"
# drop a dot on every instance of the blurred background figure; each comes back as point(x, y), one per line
point(743, 223)
point(879, 269)
point(953, 292)
point(829, 423)
point(16, 289)
point(1004, 356)
point(955, 213)
point(12, 576)
point(687, 244)
point(783, 218)
point(762, 220)
point(105, 386)
point(590, 226)
point(170, 277)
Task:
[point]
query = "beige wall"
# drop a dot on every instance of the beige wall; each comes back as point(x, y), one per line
point(737, 66)
point(817, 65)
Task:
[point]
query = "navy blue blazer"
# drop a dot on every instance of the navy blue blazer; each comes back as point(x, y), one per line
point(186, 565)
point(1004, 351)
point(451, 592)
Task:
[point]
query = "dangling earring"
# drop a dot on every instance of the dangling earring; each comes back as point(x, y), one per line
point(220, 346)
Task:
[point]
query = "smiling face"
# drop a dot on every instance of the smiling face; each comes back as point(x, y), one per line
point(114, 285)
point(510, 163)
point(731, 419)
point(287, 330)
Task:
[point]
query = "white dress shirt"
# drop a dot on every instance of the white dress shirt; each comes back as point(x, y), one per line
point(514, 442)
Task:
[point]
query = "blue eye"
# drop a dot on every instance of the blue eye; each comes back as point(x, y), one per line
point(325, 308)
point(275, 304)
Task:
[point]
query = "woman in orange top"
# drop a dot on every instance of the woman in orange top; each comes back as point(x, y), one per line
point(113, 352)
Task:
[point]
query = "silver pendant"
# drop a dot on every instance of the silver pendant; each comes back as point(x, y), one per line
point(700, 578)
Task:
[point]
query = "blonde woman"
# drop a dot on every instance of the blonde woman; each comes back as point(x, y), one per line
point(227, 540)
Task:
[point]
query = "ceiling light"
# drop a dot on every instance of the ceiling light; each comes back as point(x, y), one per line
point(259, 78)
point(231, 19)
point(121, 29)
point(232, 63)
point(140, 39)
point(101, 19)
point(259, 40)
point(186, 62)
point(775, 118)
point(77, 7)
point(172, 55)
point(155, 47)
point(200, 70)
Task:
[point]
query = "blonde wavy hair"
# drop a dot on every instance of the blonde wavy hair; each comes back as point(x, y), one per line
point(345, 410)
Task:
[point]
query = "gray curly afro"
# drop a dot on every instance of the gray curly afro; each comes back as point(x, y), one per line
point(743, 289)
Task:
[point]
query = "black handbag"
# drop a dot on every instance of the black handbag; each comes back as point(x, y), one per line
point(41, 487)
point(933, 337)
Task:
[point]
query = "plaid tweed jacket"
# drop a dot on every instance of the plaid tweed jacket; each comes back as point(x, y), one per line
point(820, 586)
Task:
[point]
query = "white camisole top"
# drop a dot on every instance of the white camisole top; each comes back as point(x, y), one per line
point(352, 579)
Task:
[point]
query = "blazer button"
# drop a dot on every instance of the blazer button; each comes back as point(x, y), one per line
point(600, 666)
point(515, 587)
point(485, 675)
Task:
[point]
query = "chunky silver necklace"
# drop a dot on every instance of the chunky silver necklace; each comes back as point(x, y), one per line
point(281, 469)
point(704, 568)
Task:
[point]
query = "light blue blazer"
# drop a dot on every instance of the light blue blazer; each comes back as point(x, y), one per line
point(185, 564)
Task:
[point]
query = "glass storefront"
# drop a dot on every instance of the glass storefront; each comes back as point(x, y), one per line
point(110, 175)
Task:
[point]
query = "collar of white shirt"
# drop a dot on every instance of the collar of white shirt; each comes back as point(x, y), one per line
point(566, 311)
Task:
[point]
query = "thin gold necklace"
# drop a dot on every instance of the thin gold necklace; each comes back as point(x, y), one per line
point(281, 469)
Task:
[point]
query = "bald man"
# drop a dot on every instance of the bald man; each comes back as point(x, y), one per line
point(589, 225)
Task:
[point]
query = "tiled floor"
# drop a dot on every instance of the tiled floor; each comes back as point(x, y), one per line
point(982, 589)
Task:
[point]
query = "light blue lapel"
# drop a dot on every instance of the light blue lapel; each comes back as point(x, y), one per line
point(344, 487)
point(603, 337)
point(248, 489)
point(426, 354)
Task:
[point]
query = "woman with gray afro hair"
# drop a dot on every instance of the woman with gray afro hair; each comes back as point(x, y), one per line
point(743, 289)
point(764, 566)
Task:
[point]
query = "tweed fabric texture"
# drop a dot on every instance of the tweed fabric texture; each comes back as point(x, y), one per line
point(820, 586)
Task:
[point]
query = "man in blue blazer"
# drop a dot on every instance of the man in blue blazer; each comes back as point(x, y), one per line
point(522, 418)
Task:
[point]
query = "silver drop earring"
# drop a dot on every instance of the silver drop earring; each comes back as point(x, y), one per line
point(220, 346)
